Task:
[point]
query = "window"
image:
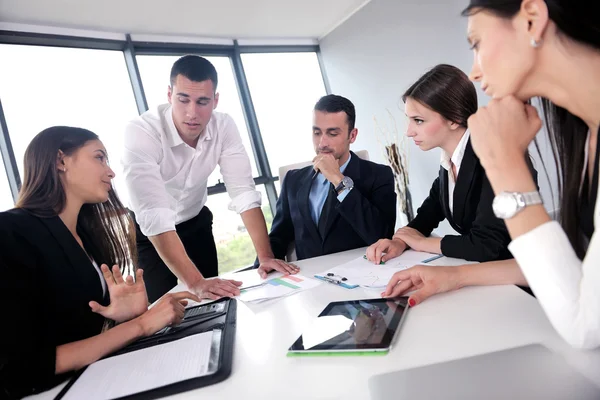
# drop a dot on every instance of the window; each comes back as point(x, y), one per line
point(234, 246)
point(6, 199)
point(284, 89)
point(155, 72)
point(46, 86)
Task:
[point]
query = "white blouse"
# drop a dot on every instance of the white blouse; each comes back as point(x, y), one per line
point(567, 288)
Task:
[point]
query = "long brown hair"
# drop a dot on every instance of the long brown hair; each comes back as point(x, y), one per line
point(567, 132)
point(106, 226)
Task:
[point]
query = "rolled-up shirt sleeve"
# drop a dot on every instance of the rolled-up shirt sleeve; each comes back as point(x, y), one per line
point(149, 198)
point(567, 288)
point(236, 170)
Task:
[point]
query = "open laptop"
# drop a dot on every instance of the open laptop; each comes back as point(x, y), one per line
point(529, 372)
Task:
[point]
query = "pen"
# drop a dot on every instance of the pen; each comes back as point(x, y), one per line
point(253, 286)
point(380, 262)
point(432, 258)
point(331, 280)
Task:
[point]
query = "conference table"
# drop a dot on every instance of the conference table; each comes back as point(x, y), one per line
point(459, 324)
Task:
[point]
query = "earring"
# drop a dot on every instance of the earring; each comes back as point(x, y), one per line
point(536, 43)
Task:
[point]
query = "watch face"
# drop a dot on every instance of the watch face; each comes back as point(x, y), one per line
point(348, 182)
point(505, 205)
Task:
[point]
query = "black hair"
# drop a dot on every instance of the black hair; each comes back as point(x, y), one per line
point(195, 68)
point(334, 104)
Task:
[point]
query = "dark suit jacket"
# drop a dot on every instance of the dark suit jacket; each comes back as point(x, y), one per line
point(367, 214)
point(46, 283)
point(483, 237)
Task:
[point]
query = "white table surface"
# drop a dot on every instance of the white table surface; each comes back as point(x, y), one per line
point(470, 321)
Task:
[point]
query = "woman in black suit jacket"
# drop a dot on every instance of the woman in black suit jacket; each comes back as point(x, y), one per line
point(59, 307)
point(438, 106)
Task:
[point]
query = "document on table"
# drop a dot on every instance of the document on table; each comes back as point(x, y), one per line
point(278, 287)
point(251, 278)
point(144, 369)
point(365, 273)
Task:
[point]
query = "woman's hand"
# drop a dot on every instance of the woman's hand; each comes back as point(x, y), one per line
point(168, 311)
point(502, 130)
point(425, 280)
point(412, 237)
point(385, 249)
point(128, 299)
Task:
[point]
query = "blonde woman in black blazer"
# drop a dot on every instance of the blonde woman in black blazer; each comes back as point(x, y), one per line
point(58, 298)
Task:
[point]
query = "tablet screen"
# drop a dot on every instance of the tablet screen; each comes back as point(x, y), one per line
point(354, 325)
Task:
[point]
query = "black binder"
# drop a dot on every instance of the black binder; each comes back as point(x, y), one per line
point(220, 317)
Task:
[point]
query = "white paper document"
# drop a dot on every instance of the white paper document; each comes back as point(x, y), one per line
point(251, 278)
point(144, 369)
point(365, 273)
point(278, 287)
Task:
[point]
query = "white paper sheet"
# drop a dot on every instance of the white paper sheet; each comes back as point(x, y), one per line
point(250, 278)
point(278, 287)
point(366, 274)
point(144, 369)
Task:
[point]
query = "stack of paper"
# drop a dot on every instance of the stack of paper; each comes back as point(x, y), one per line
point(364, 273)
point(145, 369)
point(278, 287)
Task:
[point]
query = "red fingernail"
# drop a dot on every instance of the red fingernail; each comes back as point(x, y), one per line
point(411, 302)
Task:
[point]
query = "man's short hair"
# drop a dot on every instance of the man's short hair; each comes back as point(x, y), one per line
point(195, 68)
point(333, 104)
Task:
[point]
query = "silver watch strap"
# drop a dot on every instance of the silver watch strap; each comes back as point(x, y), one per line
point(532, 198)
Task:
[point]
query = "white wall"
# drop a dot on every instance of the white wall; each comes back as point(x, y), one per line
point(379, 52)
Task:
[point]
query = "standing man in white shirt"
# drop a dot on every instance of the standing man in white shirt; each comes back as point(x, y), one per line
point(170, 152)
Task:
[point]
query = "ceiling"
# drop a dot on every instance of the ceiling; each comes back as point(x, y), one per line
point(232, 19)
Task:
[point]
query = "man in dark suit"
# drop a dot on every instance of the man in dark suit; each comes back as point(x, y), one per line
point(339, 203)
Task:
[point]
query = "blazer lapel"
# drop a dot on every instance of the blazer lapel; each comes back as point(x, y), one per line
point(80, 265)
point(463, 184)
point(443, 178)
point(353, 171)
point(303, 202)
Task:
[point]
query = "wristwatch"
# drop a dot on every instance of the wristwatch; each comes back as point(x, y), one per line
point(346, 183)
point(508, 204)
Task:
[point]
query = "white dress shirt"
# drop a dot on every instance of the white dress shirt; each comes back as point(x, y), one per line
point(567, 288)
point(167, 179)
point(456, 159)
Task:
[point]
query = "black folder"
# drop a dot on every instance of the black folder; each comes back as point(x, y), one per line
point(219, 317)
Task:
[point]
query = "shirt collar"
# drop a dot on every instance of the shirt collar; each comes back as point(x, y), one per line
point(458, 154)
point(344, 165)
point(172, 134)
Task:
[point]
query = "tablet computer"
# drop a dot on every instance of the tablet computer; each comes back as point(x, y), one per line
point(353, 328)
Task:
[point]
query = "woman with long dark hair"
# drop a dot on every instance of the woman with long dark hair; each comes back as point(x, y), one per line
point(548, 49)
point(63, 307)
point(438, 105)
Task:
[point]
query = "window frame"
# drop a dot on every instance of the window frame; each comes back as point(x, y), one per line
point(130, 49)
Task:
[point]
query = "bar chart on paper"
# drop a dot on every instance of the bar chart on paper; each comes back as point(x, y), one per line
point(278, 287)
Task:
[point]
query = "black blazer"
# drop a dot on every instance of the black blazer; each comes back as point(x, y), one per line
point(483, 237)
point(367, 214)
point(46, 283)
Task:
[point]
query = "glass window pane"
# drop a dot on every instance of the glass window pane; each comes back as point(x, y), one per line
point(46, 86)
point(284, 89)
point(155, 72)
point(278, 188)
point(234, 246)
point(6, 200)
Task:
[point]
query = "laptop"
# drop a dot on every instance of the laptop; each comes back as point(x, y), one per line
point(529, 372)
